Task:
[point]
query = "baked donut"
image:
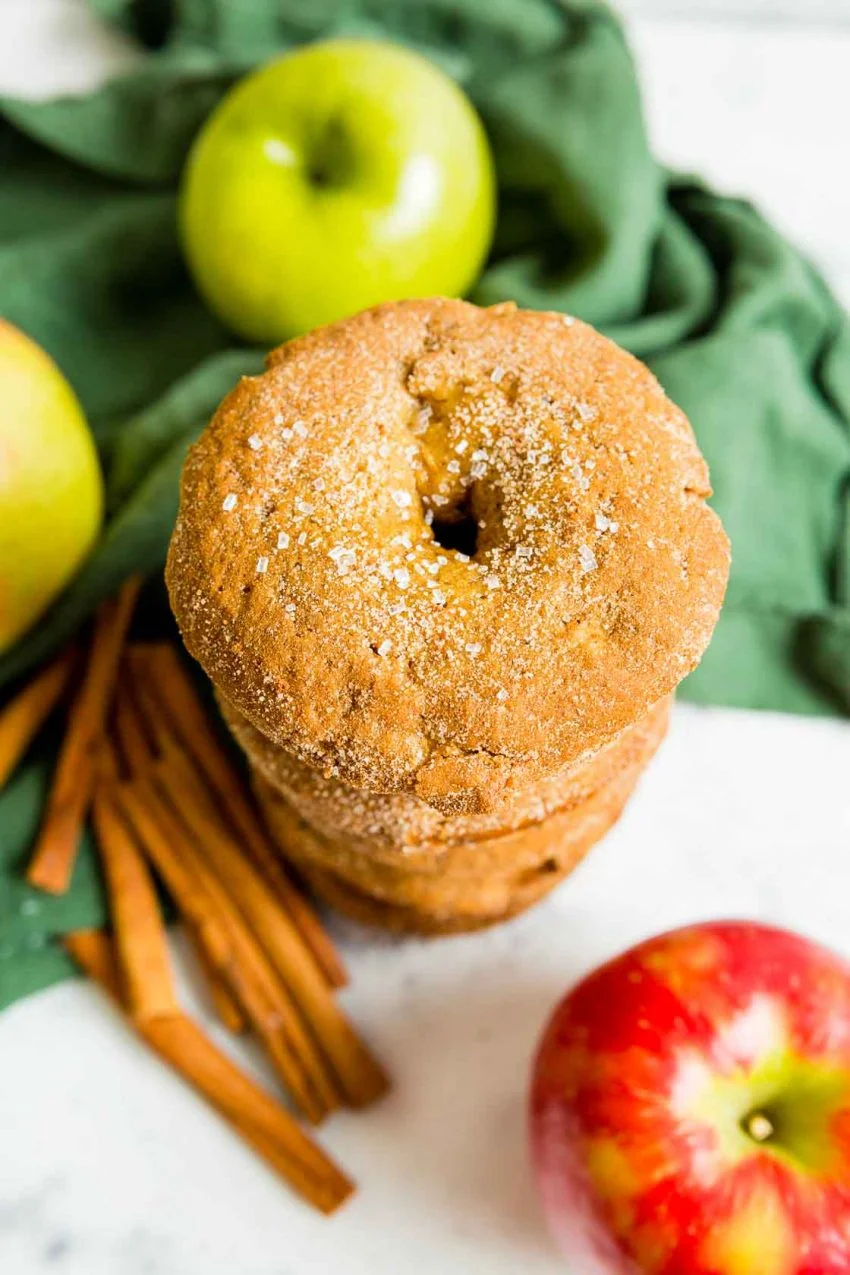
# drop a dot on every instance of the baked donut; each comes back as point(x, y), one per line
point(469, 899)
point(445, 566)
point(312, 568)
point(392, 826)
point(476, 877)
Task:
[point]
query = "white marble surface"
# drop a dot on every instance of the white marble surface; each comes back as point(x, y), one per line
point(109, 1167)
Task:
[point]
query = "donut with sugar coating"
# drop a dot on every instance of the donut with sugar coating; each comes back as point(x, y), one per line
point(465, 876)
point(452, 900)
point(310, 576)
point(387, 826)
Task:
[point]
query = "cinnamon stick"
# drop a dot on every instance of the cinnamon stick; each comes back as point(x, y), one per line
point(298, 1161)
point(252, 972)
point(231, 948)
point(133, 747)
point(161, 677)
point(140, 942)
point(106, 767)
point(23, 716)
point(223, 1001)
point(260, 1121)
point(56, 848)
point(360, 1076)
point(92, 951)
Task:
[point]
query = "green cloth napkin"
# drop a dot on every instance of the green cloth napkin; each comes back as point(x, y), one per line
point(741, 330)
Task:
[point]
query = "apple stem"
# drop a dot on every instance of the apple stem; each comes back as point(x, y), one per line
point(759, 1127)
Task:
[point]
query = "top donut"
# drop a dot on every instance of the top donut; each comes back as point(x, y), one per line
point(447, 550)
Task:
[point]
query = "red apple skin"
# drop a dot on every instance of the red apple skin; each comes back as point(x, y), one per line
point(644, 1088)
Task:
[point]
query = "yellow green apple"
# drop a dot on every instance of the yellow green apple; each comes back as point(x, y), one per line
point(51, 492)
point(344, 174)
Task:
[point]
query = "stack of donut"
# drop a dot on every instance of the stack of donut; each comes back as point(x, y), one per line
point(445, 567)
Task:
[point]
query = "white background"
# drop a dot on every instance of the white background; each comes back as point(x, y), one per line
point(109, 1167)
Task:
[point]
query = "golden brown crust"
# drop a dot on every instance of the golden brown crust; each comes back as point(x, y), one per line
point(367, 910)
point(473, 876)
point(467, 888)
point(442, 887)
point(387, 826)
point(376, 656)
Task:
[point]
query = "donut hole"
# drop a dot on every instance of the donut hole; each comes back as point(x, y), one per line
point(456, 527)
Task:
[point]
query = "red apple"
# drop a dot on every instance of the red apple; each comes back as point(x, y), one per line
point(690, 1108)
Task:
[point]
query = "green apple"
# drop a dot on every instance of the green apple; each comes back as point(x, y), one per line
point(51, 492)
point(347, 173)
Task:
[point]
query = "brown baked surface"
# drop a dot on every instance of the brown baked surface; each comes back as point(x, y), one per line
point(455, 897)
point(474, 878)
point(391, 826)
point(475, 873)
point(377, 656)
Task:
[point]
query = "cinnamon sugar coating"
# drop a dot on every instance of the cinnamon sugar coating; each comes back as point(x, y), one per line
point(480, 879)
point(309, 579)
point(399, 827)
